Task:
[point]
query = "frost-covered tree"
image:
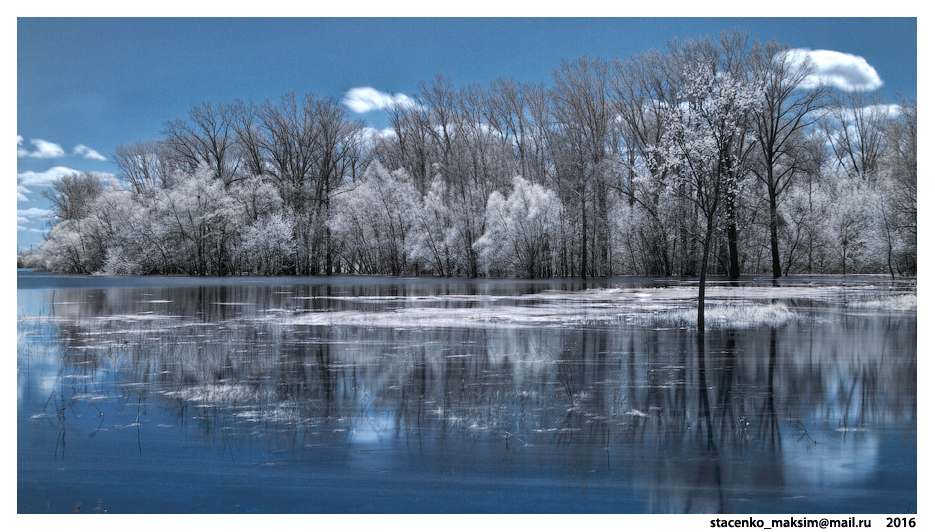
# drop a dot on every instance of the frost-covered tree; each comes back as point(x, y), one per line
point(200, 221)
point(64, 249)
point(850, 224)
point(371, 219)
point(122, 226)
point(266, 245)
point(256, 197)
point(432, 243)
point(78, 242)
point(519, 231)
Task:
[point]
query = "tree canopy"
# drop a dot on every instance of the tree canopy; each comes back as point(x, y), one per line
point(718, 155)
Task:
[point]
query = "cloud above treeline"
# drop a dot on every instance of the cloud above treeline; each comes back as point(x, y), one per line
point(26, 216)
point(43, 149)
point(366, 99)
point(845, 71)
point(88, 153)
point(43, 179)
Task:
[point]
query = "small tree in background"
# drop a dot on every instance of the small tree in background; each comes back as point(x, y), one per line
point(519, 229)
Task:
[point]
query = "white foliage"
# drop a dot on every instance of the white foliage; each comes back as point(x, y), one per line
point(63, 249)
point(714, 108)
point(372, 218)
point(256, 197)
point(119, 262)
point(851, 222)
point(518, 230)
point(267, 246)
point(433, 237)
point(200, 219)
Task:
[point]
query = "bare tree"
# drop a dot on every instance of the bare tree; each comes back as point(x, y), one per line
point(583, 120)
point(145, 165)
point(248, 131)
point(206, 137)
point(508, 112)
point(73, 195)
point(789, 107)
point(411, 146)
point(902, 200)
point(643, 91)
point(856, 128)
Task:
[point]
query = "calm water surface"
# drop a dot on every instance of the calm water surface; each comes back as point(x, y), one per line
point(351, 395)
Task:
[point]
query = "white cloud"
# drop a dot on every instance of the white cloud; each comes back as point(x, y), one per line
point(88, 153)
point(366, 99)
point(891, 110)
point(44, 149)
point(370, 135)
point(20, 150)
point(845, 71)
point(375, 133)
point(21, 192)
point(43, 179)
point(867, 112)
point(28, 216)
point(23, 215)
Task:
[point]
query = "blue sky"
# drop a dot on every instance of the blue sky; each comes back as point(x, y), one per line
point(85, 85)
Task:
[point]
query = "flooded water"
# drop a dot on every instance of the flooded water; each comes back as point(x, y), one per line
point(359, 395)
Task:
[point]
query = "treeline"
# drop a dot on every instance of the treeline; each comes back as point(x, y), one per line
point(720, 155)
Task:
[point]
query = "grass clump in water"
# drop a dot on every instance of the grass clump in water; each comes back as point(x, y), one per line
point(722, 316)
point(900, 302)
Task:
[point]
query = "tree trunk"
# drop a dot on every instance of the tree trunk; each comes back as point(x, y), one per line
point(732, 249)
point(584, 237)
point(774, 234)
point(703, 274)
point(733, 268)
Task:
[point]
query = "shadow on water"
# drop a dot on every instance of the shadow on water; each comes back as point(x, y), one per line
point(809, 416)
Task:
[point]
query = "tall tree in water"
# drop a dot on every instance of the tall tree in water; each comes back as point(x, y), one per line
point(698, 144)
point(727, 60)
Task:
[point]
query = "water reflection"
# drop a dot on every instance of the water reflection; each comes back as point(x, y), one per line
point(651, 418)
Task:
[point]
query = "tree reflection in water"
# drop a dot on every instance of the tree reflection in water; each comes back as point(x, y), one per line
point(687, 422)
